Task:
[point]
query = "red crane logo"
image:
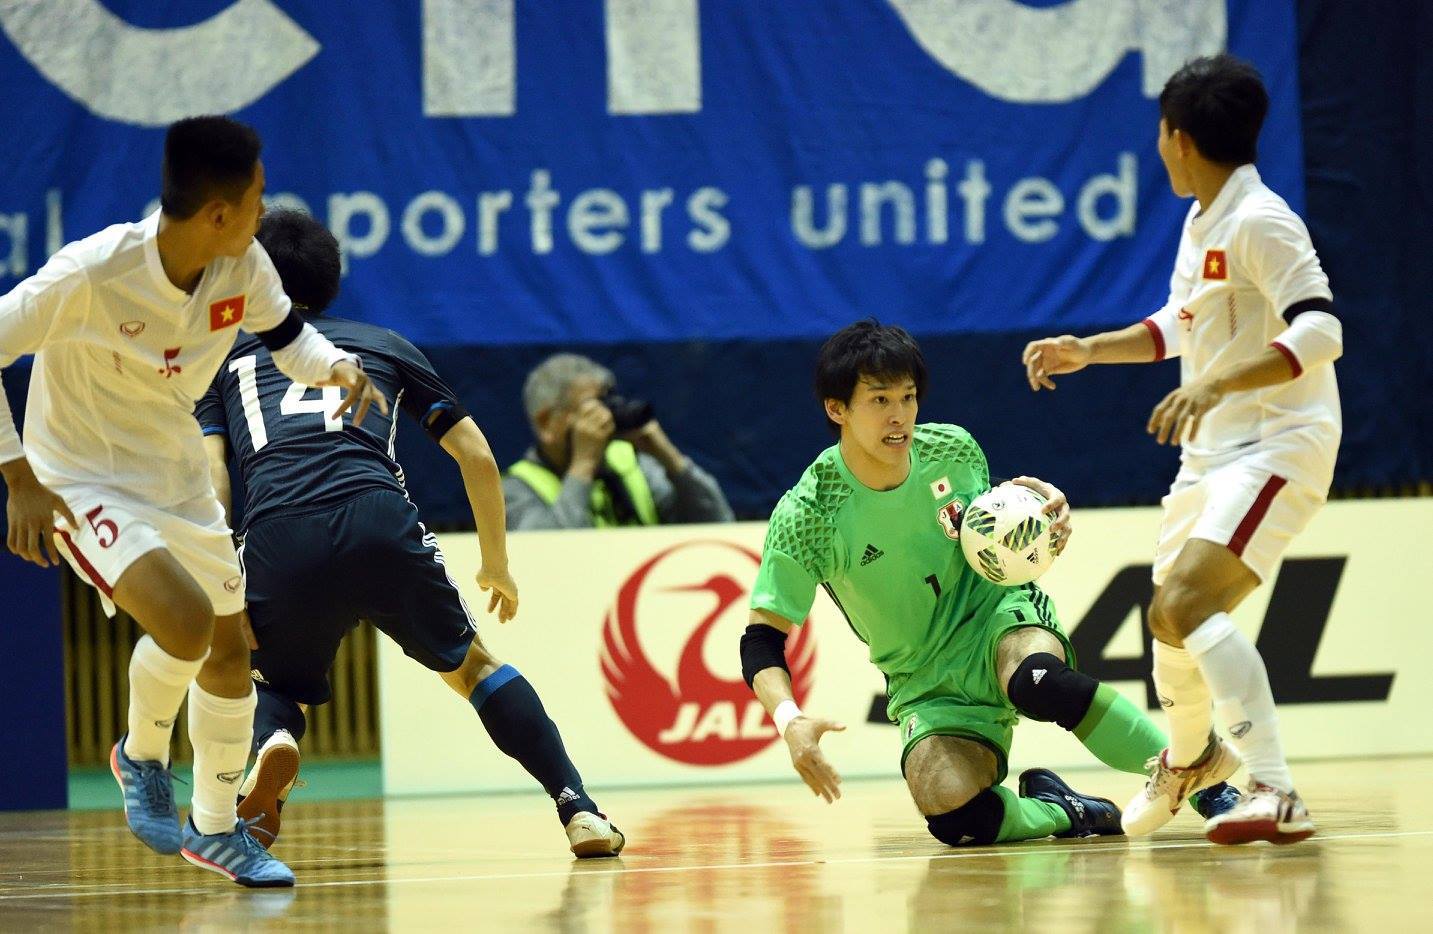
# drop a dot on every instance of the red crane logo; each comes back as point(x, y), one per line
point(700, 719)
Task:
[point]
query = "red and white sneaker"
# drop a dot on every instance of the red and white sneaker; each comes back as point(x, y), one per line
point(267, 787)
point(1263, 814)
point(1169, 787)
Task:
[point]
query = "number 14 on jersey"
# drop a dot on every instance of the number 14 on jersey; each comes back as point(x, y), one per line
point(294, 401)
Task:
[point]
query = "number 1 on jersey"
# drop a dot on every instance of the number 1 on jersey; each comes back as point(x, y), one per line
point(293, 402)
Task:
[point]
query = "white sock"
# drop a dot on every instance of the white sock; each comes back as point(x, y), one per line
point(221, 730)
point(1186, 702)
point(1240, 684)
point(157, 682)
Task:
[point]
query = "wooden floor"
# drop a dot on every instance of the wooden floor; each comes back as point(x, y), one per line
point(748, 858)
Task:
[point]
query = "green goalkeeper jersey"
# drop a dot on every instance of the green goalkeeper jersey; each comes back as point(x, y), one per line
point(891, 560)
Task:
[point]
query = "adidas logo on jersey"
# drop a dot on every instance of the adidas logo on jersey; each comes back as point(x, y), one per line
point(872, 553)
point(1037, 674)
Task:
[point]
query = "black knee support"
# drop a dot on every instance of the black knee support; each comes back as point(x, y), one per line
point(1045, 688)
point(976, 822)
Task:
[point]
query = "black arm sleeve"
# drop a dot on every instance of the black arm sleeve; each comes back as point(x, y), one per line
point(426, 396)
point(1308, 304)
point(762, 647)
point(280, 337)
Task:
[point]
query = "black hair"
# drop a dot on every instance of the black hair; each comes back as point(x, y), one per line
point(305, 255)
point(870, 349)
point(1220, 101)
point(206, 158)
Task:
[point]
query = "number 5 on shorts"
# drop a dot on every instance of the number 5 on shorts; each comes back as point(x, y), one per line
point(101, 526)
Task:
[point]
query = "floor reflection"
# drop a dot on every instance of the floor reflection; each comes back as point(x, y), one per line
point(746, 859)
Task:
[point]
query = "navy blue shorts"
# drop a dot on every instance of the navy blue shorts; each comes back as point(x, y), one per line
point(310, 579)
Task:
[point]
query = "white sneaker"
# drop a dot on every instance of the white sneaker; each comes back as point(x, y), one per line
point(1265, 813)
point(274, 775)
point(1169, 787)
point(593, 835)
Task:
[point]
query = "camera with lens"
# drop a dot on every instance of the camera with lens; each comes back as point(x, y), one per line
point(628, 413)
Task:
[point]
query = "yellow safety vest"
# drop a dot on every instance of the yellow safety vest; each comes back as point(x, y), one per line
point(621, 459)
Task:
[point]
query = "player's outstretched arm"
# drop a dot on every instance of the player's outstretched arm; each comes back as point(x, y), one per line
point(45, 307)
point(1057, 356)
point(763, 661)
point(1176, 419)
point(216, 448)
point(483, 481)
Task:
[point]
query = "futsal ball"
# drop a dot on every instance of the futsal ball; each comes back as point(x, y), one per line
point(1006, 537)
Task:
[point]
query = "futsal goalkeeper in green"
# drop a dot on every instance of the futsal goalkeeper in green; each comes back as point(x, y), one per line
point(875, 521)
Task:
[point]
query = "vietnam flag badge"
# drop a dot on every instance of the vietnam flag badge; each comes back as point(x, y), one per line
point(1216, 265)
point(226, 313)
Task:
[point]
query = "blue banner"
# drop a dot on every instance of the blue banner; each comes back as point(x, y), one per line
point(655, 170)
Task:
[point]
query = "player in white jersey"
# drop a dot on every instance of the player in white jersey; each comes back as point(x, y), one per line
point(128, 327)
point(1257, 411)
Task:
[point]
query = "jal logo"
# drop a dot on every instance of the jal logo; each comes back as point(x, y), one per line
point(949, 518)
point(685, 606)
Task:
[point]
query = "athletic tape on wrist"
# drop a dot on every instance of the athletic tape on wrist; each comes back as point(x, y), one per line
point(785, 712)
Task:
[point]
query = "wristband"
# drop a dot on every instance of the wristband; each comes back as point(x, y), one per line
point(785, 712)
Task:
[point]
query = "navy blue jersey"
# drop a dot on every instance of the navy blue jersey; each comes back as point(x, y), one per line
point(293, 456)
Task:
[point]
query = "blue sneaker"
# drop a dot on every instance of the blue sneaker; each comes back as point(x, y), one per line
point(1089, 816)
point(236, 856)
point(149, 809)
point(1215, 800)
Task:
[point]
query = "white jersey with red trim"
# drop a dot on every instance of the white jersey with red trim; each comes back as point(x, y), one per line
point(1241, 265)
point(121, 357)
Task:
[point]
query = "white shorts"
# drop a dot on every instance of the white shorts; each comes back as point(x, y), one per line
point(1252, 511)
point(115, 532)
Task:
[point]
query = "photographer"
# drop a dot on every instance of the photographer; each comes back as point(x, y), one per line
point(600, 459)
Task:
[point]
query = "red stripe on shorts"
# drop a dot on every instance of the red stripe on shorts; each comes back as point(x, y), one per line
point(85, 565)
point(1255, 515)
point(1158, 336)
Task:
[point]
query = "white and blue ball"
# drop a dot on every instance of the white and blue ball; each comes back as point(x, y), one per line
point(1006, 535)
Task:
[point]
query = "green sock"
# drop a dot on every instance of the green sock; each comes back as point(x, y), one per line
point(1028, 819)
point(1119, 733)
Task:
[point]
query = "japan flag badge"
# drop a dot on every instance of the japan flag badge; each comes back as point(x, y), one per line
point(940, 488)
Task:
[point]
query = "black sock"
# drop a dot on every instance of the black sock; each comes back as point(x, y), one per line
point(276, 712)
point(513, 715)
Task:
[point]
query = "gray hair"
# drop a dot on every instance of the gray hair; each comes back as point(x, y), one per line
point(548, 383)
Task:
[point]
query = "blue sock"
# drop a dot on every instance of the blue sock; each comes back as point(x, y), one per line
point(513, 715)
point(276, 712)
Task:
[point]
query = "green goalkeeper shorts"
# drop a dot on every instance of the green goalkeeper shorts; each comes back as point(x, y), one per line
point(964, 697)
